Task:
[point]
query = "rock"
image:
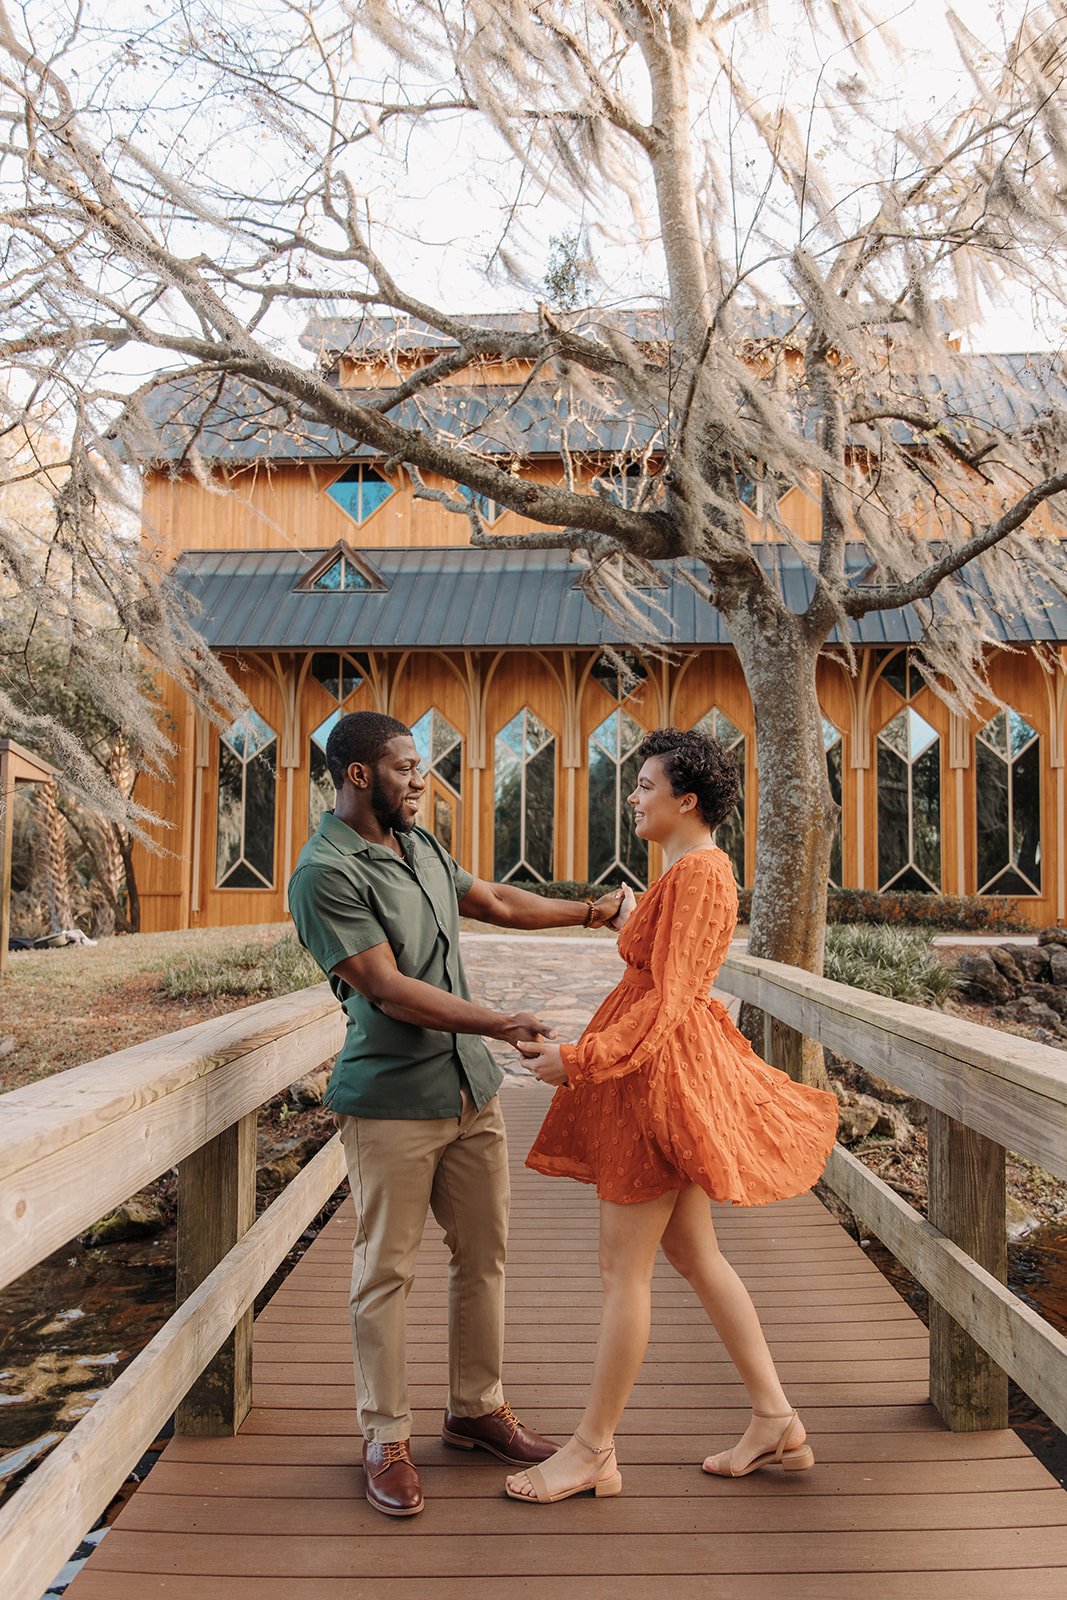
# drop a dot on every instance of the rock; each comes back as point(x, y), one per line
point(7, 1045)
point(1005, 962)
point(978, 977)
point(1032, 1013)
point(854, 1122)
point(309, 1090)
point(282, 1167)
point(1052, 936)
point(138, 1218)
point(1020, 1219)
point(1031, 959)
point(1058, 965)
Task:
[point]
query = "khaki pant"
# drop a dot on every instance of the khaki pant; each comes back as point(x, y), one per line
point(456, 1167)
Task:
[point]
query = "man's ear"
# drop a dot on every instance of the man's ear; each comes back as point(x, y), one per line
point(359, 775)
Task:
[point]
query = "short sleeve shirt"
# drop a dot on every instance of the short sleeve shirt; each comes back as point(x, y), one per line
point(348, 894)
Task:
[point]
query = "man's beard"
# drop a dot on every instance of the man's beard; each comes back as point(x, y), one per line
point(399, 820)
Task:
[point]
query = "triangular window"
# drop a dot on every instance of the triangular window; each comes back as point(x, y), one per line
point(342, 571)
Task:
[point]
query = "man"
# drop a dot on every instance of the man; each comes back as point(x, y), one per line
point(376, 900)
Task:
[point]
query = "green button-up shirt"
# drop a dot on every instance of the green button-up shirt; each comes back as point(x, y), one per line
point(347, 895)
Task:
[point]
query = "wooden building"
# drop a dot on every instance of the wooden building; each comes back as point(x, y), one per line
point(326, 586)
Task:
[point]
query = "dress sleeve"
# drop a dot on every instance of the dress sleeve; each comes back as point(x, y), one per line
point(697, 906)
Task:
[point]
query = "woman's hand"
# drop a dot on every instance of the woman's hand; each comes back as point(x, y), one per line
point(626, 907)
point(544, 1061)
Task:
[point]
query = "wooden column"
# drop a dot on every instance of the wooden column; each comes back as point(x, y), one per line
point(216, 1207)
point(966, 1202)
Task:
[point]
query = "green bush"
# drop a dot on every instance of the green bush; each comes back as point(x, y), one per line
point(889, 961)
point(248, 969)
point(941, 913)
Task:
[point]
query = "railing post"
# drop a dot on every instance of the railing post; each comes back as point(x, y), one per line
point(790, 1051)
point(216, 1207)
point(966, 1189)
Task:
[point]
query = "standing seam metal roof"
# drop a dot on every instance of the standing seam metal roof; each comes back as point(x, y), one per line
point(459, 597)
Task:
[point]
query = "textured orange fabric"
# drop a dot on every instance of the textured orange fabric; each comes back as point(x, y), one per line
point(665, 1091)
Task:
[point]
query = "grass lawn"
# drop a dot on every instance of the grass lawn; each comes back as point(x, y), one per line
point(63, 1007)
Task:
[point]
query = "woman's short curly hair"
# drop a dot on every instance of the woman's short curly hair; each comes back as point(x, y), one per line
point(695, 764)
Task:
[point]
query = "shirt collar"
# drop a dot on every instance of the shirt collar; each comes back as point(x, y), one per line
point(349, 842)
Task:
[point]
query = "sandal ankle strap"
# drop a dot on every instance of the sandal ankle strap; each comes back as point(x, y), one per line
point(596, 1450)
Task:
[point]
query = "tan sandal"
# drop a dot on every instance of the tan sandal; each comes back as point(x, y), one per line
point(795, 1458)
point(607, 1480)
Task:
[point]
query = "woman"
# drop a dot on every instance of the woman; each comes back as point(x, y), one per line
point(662, 1102)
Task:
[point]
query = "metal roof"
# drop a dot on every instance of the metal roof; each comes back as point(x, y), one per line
point(460, 597)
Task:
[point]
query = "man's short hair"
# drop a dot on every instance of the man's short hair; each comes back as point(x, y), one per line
point(360, 736)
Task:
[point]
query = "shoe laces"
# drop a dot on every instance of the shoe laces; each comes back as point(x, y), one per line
point(508, 1417)
point(394, 1450)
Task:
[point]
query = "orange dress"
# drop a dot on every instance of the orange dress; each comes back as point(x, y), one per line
point(665, 1092)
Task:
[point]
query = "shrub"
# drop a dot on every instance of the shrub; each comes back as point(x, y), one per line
point(889, 961)
point(249, 969)
point(941, 913)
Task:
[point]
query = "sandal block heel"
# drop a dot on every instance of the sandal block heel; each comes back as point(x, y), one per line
point(608, 1486)
point(798, 1460)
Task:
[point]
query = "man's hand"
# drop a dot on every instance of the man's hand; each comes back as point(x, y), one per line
point(545, 1061)
point(524, 1026)
point(626, 909)
point(607, 908)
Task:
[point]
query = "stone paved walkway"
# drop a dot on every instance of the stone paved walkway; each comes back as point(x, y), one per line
point(561, 979)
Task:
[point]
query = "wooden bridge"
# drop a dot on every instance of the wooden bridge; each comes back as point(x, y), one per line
point(267, 1503)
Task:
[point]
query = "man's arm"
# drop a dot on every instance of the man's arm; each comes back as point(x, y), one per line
point(375, 974)
point(507, 907)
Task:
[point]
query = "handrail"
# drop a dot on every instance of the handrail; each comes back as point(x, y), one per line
point(985, 1090)
point(122, 1120)
point(78, 1143)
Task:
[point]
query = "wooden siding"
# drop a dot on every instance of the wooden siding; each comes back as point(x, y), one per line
point(895, 1505)
point(480, 693)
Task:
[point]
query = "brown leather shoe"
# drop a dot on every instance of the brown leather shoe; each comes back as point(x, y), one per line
point(392, 1479)
point(502, 1434)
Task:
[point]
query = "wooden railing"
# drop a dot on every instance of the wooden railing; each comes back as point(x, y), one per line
point(80, 1143)
point(986, 1091)
point(76, 1145)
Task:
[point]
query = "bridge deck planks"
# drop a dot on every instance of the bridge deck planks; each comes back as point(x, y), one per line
point(278, 1512)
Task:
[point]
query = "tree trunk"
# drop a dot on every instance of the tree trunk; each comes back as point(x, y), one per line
point(797, 813)
point(133, 898)
point(55, 855)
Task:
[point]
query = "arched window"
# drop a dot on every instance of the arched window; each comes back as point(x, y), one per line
point(1008, 779)
point(440, 746)
point(730, 834)
point(831, 738)
point(359, 492)
point(614, 848)
point(524, 799)
point(909, 804)
point(244, 838)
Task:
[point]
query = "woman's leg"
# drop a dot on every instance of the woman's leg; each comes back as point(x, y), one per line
point(691, 1247)
point(629, 1238)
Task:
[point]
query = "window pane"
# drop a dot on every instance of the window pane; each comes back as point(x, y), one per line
point(260, 789)
point(834, 774)
point(892, 814)
point(332, 578)
point(321, 734)
point(230, 813)
point(991, 783)
point(633, 851)
point(359, 493)
point(1020, 732)
point(512, 734)
point(895, 734)
point(421, 732)
point(507, 804)
point(926, 814)
point(444, 735)
point(321, 792)
point(443, 822)
point(602, 808)
point(540, 810)
point(376, 492)
point(537, 734)
point(896, 674)
point(1026, 808)
point(450, 767)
